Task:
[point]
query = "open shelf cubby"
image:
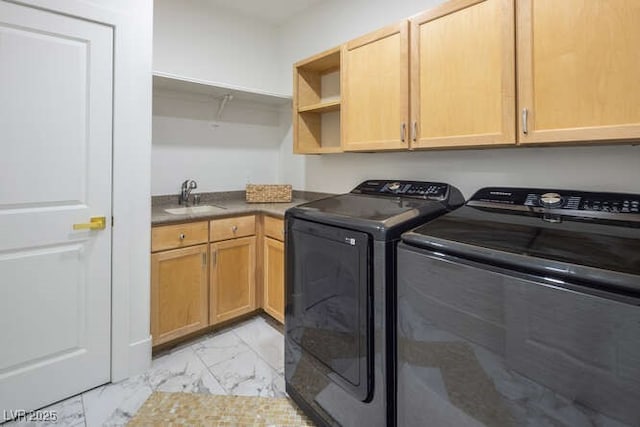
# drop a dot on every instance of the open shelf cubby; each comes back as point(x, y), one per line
point(316, 110)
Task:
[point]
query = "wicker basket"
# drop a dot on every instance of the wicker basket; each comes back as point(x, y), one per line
point(263, 193)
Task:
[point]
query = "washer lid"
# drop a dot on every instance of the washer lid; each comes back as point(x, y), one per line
point(526, 240)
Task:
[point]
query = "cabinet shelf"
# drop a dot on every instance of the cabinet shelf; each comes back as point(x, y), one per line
point(177, 83)
point(321, 107)
point(317, 100)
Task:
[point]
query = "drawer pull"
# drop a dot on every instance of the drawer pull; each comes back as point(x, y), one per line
point(182, 236)
point(234, 228)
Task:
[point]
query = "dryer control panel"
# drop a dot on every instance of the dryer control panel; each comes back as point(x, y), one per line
point(413, 189)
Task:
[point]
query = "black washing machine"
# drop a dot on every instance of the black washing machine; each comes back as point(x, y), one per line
point(339, 314)
point(522, 308)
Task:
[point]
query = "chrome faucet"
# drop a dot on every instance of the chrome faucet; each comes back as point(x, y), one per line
point(187, 187)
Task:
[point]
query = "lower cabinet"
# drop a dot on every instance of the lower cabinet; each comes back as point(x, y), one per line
point(207, 272)
point(233, 284)
point(178, 292)
point(274, 278)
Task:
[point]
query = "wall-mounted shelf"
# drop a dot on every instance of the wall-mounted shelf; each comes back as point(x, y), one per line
point(177, 83)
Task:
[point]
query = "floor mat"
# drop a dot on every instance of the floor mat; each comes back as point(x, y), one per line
point(180, 409)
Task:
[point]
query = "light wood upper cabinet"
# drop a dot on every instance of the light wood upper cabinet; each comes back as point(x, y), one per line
point(463, 75)
point(274, 278)
point(575, 64)
point(578, 70)
point(375, 91)
point(179, 293)
point(233, 284)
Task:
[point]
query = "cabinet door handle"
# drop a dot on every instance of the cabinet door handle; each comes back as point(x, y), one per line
point(204, 259)
point(214, 258)
point(525, 121)
point(403, 131)
point(414, 131)
point(182, 236)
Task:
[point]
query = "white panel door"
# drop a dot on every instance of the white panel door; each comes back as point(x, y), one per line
point(55, 171)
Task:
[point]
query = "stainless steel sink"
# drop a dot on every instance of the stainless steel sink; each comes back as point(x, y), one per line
point(202, 209)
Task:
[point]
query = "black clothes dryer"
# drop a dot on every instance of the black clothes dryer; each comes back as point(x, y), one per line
point(340, 297)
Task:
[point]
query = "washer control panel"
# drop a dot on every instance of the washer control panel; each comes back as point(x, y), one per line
point(624, 205)
point(586, 202)
point(413, 189)
point(559, 199)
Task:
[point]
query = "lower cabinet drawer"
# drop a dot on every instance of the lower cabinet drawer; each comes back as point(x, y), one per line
point(179, 235)
point(231, 228)
point(274, 228)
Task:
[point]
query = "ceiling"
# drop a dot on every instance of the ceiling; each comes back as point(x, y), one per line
point(273, 11)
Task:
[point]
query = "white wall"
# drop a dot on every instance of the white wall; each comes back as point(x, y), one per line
point(333, 22)
point(196, 39)
point(612, 168)
point(131, 353)
point(190, 142)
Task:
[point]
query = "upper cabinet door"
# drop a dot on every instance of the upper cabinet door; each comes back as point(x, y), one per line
point(375, 87)
point(579, 68)
point(463, 75)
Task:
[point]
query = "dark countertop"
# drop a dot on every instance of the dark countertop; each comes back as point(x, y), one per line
point(232, 203)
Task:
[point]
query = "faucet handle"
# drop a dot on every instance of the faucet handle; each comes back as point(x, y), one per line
point(192, 184)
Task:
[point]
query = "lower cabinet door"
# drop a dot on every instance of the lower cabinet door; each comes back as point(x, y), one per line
point(232, 283)
point(178, 293)
point(274, 278)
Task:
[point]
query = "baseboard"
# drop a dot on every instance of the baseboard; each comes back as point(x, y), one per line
point(139, 356)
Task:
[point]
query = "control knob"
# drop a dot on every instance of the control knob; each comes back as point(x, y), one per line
point(393, 186)
point(551, 200)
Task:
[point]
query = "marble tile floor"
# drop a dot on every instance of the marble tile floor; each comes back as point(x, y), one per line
point(246, 359)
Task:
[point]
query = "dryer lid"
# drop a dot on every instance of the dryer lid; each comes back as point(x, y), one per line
point(382, 208)
point(382, 217)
